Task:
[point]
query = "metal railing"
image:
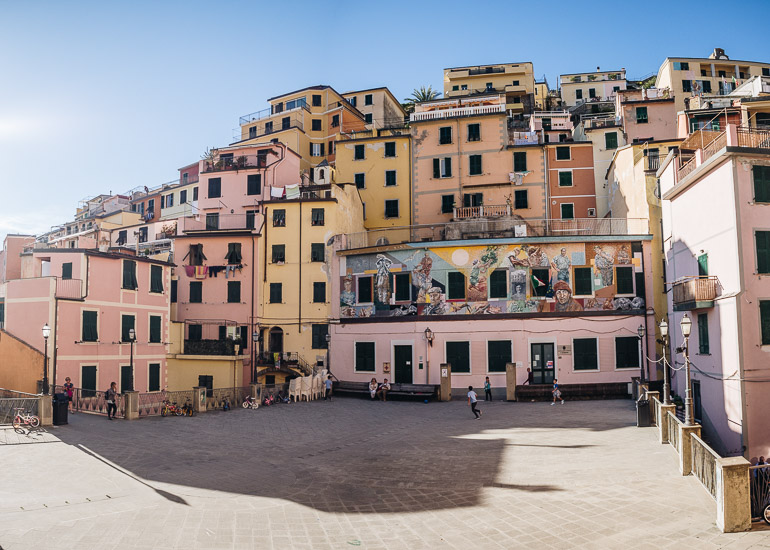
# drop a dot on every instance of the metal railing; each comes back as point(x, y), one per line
point(151, 403)
point(221, 222)
point(490, 211)
point(379, 132)
point(269, 112)
point(11, 400)
point(215, 398)
point(69, 288)
point(686, 168)
point(696, 289)
point(93, 401)
point(759, 488)
point(754, 138)
point(243, 133)
point(716, 145)
point(241, 162)
point(457, 112)
point(704, 464)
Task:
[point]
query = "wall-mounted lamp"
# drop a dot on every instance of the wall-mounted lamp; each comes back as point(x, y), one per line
point(429, 336)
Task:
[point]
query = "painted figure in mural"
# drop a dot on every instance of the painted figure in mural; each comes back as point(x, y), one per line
point(437, 305)
point(347, 296)
point(519, 284)
point(383, 279)
point(561, 264)
point(564, 299)
point(604, 262)
point(623, 257)
point(403, 310)
point(523, 306)
point(480, 267)
point(516, 261)
point(421, 277)
point(626, 304)
point(537, 257)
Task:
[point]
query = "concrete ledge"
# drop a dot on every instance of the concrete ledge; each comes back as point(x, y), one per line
point(733, 495)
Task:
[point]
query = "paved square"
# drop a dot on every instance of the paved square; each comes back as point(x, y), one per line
point(354, 473)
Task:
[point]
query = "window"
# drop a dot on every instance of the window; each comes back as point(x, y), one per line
point(316, 125)
point(319, 336)
point(403, 287)
point(316, 149)
point(583, 281)
point(234, 292)
point(515, 82)
point(546, 123)
point(591, 92)
point(540, 282)
point(764, 321)
point(319, 293)
point(520, 161)
point(442, 168)
point(681, 66)
point(196, 292)
point(364, 357)
point(331, 147)
point(215, 188)
point(143, 232)
point(90, 332)
point(627, 352)
point(390, 178)
point(360, 180)
point(129, 275)
point(153, 376)
point(196, 254)
point(703, 334)
point(641, 115)
point(169, 200)
point(155, 336)
point(706, 86)
point(686, 86)
point(368, 99)
point(703, 265)
point(174, 283)
point(391, 208)
point(151, 205)
point(763, 252)
point(390, 149)
point(66, 270)
point(156, 278)
point(276, 293)
point(455, 286)
point(279, 218)
point(447, 204)
point(456, 88)
point(285, 123)
point(567, 211)
point(473, 199)
point(335, 121)
point(365, 290)
point(565, 179)
point(212, 222)
point(126, 324)
point(316, 252)
point(562, 153)
point(162, 201)
point(498, 355)
point(498, 284)
point(624, 280)
point(195, 193)
point(761, 183)
point(578, 94)
point(490, 86)
point(317, 216)
point(359, 153)
point(316, 101)
point(765, 71)
point(463, 87)
point(615, 89)
point(279, 253)
point(611, 140)
point(368, 118)
point(475, 165)
point(520, 199)
point(254, 184)
point(458, 355)
point(250, 216)
point(122, 237)
point(585, 353)
point(445, 135)
point(474, 132)
point(353, 100)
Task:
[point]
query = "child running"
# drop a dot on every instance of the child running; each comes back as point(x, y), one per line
point(472, 400)
point(556, 393)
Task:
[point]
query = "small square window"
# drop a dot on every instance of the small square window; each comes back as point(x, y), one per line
point(316, 125)
point(279, 218)
point(567, 211)
point(359, 153)
point(562, 153)
point(391, 208)
point(368, 99)
point(390, 149)
point(317, 252)
point(390, 178)
point(316, 100)
point(445, 135)
point(565, 179)
point(641, 115)
point(360, 180)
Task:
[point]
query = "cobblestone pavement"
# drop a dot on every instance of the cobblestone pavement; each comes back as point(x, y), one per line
point(351, 473)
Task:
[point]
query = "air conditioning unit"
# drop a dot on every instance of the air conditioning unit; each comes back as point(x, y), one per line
point(592, 212)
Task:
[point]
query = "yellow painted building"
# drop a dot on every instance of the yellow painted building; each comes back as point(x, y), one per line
point(378, 162)
point(184, 370)
point(542, 95)
point(379, 106)
point(516, 80)
point(308, 121)
point(577, 88)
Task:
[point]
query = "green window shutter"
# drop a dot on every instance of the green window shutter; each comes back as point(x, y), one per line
point(233, 255)
point(154, 377)
point(447, 204)
point(360, 180)
point(319, 292)
point(196, 292)
point(279, 253)
point(763, 251)
point(254, 184)
point(126, 324)
point(562, 153)
point(458, 355)
point(475, 165)
point(565, 179)
point(567, 211)
point(448, 167)
point(316, 252)
point(390, 149)
point(521, 199)
point(703, 265)
point(215, 188)
point(195, 332)
point(624, 280)
point(583, 281)
point(498, 355)
point(498, 284)
point(474, 132)
point(233, 292)
point(611, 140)
point(173, 290)
point(403, 287)
point(155, 337)
point(276, 293)
point(641, 114)
point(520, 161)
point(364, 356)
point(627, 352)
point(390, 178)
point(359, 152)
point(584, 352)
point(66, 270)
point(436, 168)
point(365, 290)
point(129, 275)
point(90, 333)
point(156, 278)
point(703, 333)
point(445, 135)
point(764, 321)
point(319, 336)
point(455, 285)
point(391, 208)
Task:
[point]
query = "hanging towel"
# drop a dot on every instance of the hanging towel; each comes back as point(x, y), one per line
point(276, 192)
point(190, 270)
point(201, 271)
point(292, 191)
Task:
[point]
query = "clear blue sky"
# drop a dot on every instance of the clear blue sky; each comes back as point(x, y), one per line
point(106, 96)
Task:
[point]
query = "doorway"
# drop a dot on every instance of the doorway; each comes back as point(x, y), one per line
point(543, 365)
point(402, 364)
point(276, 340)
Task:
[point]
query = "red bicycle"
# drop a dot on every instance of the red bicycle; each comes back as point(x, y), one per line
point(170, 409)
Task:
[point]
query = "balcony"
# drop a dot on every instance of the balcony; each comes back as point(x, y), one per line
point(486, 70)
point(267, 128)
point(601, 121)
point(242, 162)
point(490, 211)
point(217, 222)
point(380, 132)
point(695, 293)
point(457, 112)
point(211, 347)
point(753, 138)
point(269, 112)
point(69, 289)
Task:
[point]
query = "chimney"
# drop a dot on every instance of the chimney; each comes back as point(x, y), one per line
point(598, 69)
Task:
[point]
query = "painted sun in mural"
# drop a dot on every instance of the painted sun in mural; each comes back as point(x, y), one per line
point(460, 257)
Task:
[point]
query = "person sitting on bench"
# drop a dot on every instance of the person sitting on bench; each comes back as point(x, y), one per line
point(373, 387)
point(383, 390)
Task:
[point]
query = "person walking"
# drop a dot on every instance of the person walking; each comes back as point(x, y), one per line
point(111, 396)
point(472, 400)
point(328, 384)
point(69, 389)
point(556, 392)
point(487, 390)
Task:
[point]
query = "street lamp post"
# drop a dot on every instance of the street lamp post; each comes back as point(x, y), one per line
point(328, 346)
point(46, 334)
point(235, 363)
point(254, 342)
point(641, 332)
point(429, 342)
point(666, 384)
point(686, 326)
point(131, 340)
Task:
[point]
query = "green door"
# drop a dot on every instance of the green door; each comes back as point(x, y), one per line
point(703, 265)
point(402, 368)
point(543, 364)
point(88, 380)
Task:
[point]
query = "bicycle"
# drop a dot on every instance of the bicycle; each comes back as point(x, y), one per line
point(171, 409)
point(22, 419)
point(250, 403)
point(187, 409)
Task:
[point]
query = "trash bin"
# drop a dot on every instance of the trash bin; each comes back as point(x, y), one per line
point(643, 413)
point(59, 409)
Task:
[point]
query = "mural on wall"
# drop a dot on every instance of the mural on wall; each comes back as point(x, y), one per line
point(540, 278)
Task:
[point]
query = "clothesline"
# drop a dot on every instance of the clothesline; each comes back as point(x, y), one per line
point(201, 271)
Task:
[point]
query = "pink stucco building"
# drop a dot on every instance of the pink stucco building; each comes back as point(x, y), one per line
point(647, 115)
point(716, 230)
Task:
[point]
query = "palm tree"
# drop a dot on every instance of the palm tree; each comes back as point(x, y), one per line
point(418, 95)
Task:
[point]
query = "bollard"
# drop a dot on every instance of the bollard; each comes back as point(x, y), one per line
point(510, 381)
point(733, 500)
point(685, 450)
point(45, 410)
point(662, 423)
point(445, 390)
point(132, 404)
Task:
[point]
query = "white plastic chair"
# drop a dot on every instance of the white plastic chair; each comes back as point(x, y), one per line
point(306, 389)
point(294, 389)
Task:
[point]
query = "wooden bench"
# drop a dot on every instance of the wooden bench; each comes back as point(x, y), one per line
point(573, 392)
point(420, 391)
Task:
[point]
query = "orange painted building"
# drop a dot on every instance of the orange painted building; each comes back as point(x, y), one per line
point(571, 188)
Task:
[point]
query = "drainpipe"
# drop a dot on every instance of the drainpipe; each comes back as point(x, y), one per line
point(547, 186)
point(299, 285)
